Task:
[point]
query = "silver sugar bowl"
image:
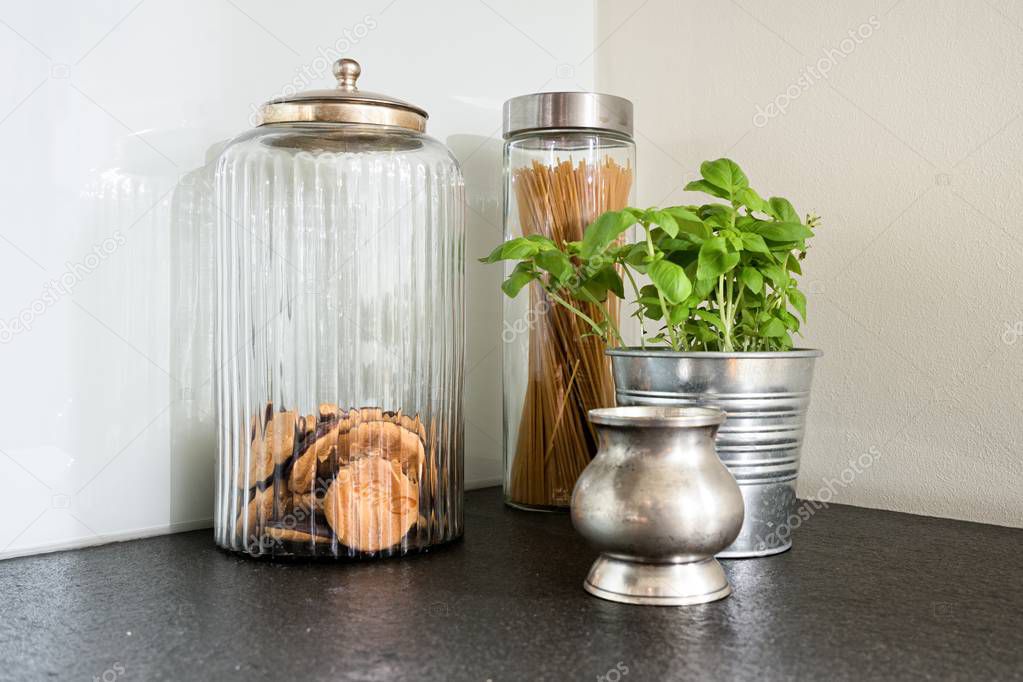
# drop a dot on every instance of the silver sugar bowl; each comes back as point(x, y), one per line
point(658, 504)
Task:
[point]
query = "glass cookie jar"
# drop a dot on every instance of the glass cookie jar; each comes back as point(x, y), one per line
point(339, 330)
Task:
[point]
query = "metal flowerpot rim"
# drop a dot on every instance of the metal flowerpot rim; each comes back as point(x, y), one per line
point(633, 351)
point(639, 416)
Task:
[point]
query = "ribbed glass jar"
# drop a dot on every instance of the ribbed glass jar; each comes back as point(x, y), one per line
point(568, 157)
point(338, 341)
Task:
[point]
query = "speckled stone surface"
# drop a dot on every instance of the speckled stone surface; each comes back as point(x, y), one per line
point(863, 595)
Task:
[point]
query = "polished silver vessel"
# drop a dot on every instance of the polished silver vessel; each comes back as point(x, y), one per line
point(765, 395)
point(658, 503)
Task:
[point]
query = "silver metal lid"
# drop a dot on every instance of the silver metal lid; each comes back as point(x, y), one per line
point(345, 103)
point(590, 110)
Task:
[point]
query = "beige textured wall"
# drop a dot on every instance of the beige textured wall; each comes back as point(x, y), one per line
point(901, 123)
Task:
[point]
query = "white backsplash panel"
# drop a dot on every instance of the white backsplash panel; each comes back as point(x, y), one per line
point(107, 118)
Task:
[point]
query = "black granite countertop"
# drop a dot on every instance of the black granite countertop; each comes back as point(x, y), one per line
point(863, 595)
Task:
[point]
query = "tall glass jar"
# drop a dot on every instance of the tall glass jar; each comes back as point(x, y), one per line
point(338, 330)
point(568, 157)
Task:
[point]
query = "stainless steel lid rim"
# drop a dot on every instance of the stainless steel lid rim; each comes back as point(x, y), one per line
point(540, 111)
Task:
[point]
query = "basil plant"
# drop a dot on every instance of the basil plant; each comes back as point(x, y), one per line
point(716, 277)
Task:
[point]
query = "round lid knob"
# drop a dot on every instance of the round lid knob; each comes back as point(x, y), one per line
point(347, 72)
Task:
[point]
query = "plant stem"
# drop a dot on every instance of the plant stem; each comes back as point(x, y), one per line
point(723, 308)
point(642, 322)
point(660, 297)
point(738, 304)
point(607, 317)
point(583, 316)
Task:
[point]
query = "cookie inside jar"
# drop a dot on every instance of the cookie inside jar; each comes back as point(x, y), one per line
point(337, 482)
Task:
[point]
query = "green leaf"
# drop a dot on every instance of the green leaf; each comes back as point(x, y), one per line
point(782, 232)
point(636, 256)
point(790, 320)
point(544, 243)
point(520, 277)
point(653, 312)
point(792, 264)
point(682, 214)
point(609, 277)
point(752, 278)
point(677, 314)
point(701, 332)
point(748, 197)
point(638, 214)
point(688, 221)
point(798, 301)
point(684, 242)
point(779, 278)
point(666, 221)
point(754, 242)
point(602, 281)
point(713, 318)
point(670, 280)
point(706, 188)
point(556, 263)
point(726, 174)
point(605, 230)
point(704, 287)
point(718, 215)
point(715, 258)
point(513, 249)
point(782, 210)
point(773, 328)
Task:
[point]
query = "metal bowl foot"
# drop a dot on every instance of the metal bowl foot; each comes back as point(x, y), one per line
point(632, 582)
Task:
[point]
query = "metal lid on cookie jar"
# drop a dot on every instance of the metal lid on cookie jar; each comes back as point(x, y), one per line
point(345, 103)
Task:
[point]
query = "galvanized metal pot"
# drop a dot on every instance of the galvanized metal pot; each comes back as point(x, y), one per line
point(658, 504)
point(765, 396)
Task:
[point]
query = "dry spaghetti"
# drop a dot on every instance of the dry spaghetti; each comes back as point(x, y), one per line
point(568, 372)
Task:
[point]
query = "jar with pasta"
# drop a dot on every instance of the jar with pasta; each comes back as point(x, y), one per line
point(568, 157)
